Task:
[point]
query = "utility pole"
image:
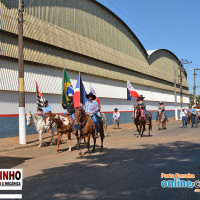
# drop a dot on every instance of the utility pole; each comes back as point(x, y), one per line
point(182, 62)
point(22, 125)
point(175, 96)
point(194, 94)
point(181, 86)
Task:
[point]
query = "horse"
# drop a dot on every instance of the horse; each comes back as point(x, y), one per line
point(103, 117)
point(136, 115)
point(188, 117)
point(141, 122)
point(150, 122)
point(64, 126)
point(88, 128)
point(39, 124)
point(161, 119)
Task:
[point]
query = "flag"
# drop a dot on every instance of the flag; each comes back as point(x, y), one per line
point(131, 92)
point(67, 87)
point(93, 92)
point(80, 93)
point(40, 98)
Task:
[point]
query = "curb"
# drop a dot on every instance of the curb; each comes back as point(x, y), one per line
point(33, 145)
point(18, 147)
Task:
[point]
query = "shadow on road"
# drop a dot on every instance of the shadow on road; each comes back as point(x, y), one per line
point(7, 162)
point(119, 174)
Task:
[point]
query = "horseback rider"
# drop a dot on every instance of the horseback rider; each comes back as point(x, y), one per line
point(91, 108)
point(46, 109)
point(161, 108)
point(69, 107)
point(142, 104)
point(99, 107)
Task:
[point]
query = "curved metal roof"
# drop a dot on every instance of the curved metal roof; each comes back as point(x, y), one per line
point(122, 22)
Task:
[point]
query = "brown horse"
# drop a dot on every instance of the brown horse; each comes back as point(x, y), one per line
point(141, 122)
point(188, 117)
point(88, 128)
point(64, 126)
point(136, 115)
point(161, 120)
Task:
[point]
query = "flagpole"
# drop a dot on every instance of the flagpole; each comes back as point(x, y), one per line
point(62, 89)
point(79, 88)
point(36, 94)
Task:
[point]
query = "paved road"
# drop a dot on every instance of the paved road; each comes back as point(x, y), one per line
point(128, 168)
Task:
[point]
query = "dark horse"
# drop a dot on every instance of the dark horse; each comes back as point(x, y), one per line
point(88, 128)
point(188, 117)
point(140, 121)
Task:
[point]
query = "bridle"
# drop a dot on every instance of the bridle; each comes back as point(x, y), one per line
point(29, 119)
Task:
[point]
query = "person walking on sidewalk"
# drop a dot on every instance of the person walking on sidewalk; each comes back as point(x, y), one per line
point(183, 116)
point(194, 116)
point(116, 116)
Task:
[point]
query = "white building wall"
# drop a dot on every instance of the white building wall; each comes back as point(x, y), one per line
point(112, 93)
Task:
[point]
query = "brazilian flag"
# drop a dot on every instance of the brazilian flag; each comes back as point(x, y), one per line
point(67, 87)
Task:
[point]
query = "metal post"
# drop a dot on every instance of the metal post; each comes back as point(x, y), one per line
point(181, 86)
point(22, 125)
point(175, 95)
point(194, 94)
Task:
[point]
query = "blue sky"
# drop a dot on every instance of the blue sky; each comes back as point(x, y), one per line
point(165, 24)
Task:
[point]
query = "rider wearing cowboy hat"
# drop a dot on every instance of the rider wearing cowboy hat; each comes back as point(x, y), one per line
point(162, 108)
point(69, 106)
point(142, 104)
point(46, 109)
point(91, 108)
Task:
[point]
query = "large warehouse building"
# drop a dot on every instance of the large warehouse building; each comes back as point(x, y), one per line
point(84, 36)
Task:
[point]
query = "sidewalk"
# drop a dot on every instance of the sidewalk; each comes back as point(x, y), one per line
point(12, 143)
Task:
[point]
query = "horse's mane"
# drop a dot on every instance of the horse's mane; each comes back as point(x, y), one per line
point(37, 117)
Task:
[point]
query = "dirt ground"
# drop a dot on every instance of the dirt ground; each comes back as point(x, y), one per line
point(127, 168)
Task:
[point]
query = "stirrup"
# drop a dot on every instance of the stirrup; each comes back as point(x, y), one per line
point(96, 135)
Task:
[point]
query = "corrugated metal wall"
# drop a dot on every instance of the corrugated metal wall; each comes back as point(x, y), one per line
point(50, 81)
point(84, 27)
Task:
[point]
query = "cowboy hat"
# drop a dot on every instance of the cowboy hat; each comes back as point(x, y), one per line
point(141, 97)
point(194, 106)
point(116, 109)
point(183, 108)
point(70, 95)
point(161, 102)
point(90, 95)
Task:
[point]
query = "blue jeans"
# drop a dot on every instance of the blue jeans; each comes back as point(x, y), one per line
point(94, 117)
point(194, 120)
point(184, 121)
point(164, 114)
point(145, 112)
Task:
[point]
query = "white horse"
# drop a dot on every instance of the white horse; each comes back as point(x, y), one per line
point(39, 124)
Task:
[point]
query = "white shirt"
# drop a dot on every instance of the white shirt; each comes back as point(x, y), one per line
point(116, 115)
point(183, 114)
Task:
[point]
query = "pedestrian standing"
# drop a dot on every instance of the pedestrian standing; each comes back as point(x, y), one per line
point(194, 116)
point(183, 116)
point(116, 115)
